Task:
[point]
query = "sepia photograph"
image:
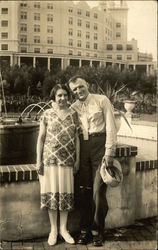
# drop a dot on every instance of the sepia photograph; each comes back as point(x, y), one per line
point(78, 125)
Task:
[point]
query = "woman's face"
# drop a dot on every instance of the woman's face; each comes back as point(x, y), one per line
point(61, 97)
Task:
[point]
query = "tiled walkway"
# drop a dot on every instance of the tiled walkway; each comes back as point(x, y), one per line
point(141, 236)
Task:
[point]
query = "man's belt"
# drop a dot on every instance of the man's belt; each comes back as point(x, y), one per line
point(95, 134)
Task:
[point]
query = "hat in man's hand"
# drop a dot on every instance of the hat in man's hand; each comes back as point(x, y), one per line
point(111, 175)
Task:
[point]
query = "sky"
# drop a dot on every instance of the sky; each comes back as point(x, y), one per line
point(142, 24)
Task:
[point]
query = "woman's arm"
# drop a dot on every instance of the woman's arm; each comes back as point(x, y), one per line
point(40, 145)
point(77, 146)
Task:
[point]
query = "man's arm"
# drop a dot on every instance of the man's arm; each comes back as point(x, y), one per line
point(111, 134)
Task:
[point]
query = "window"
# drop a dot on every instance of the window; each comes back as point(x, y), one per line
point(70, 42)
point(23, 49)
point(70, 52)
point(50, 29)
point(87, 54)
point(50, 40)
point(88, 25)
point(79, 53)
point(118, 25)
point(23, 15)
point(50, 51)
point(70, 10)
point(87, 35)
point(118, 34)
point(4, 46)
point(4, 23)
point(70, 20)
point(95, 36)
point(119, 57)
point(88, 13)
point(37, 16)
point(36, 28)
point(95, 26)
point(37, 50)
point(23, 27)
point(129, 57)
point(95, 15)
point(4, 35)
point(79, 33)
point(23, 4)
point(79, 22)
point(79, 43)
point(129, 47)
point(87, 45)
point(37, 5)
point(70, 32)
point(119, 47)
point(95, 46)
point(36, 39)
point(23, 39)
point(95, 55)
point(50, 18)
point(109, 56)
point(4, 11)
point(79, 12)
point(109, 47)
point(50, 6)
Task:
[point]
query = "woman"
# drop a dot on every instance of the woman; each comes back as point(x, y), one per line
point(57, 159)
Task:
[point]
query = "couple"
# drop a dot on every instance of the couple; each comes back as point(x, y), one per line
point(68, 138)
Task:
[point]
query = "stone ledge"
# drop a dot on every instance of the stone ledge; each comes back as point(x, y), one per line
point(14, 173)
point(126, 150)
point(27, 172)
point(146, 165)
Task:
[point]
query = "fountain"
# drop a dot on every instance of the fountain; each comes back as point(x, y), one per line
point(18, 136)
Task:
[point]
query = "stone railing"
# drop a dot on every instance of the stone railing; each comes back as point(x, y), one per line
point(22, 218)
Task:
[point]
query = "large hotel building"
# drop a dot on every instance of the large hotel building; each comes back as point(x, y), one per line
point(63, 33)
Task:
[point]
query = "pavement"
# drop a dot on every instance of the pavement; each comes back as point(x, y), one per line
point(140, 236)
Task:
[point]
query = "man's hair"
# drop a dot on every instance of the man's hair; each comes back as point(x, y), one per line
point(74, 78)
point(56, 88)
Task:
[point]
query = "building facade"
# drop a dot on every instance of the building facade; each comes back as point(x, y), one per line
point(63, 33)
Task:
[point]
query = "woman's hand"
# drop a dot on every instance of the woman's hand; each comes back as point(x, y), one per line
point(76, 166)
point(109, 161)
point(40, 168)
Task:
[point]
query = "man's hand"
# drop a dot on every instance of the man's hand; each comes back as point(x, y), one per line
point(109, 160)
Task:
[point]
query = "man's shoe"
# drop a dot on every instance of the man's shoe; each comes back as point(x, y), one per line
point(84, 238)
point(98, 240)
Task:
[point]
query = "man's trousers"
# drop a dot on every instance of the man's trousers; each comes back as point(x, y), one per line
point(92, 198)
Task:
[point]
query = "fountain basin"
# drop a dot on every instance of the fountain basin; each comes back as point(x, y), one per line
point(18, 142)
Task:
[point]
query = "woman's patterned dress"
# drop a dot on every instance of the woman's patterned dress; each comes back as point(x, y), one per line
point(57, 183)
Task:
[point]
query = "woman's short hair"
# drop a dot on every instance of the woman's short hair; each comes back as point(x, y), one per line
point(56, 88)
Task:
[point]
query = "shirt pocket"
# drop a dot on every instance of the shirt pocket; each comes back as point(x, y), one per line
point(96, 115)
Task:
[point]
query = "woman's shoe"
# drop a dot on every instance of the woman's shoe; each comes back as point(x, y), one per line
point(67, 237)
point(52, 240)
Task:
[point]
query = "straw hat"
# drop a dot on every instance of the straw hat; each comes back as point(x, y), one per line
point(111, 175)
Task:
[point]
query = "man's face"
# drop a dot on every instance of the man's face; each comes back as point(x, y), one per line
point(80, 89)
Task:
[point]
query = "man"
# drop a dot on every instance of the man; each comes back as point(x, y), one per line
point(97, 140)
